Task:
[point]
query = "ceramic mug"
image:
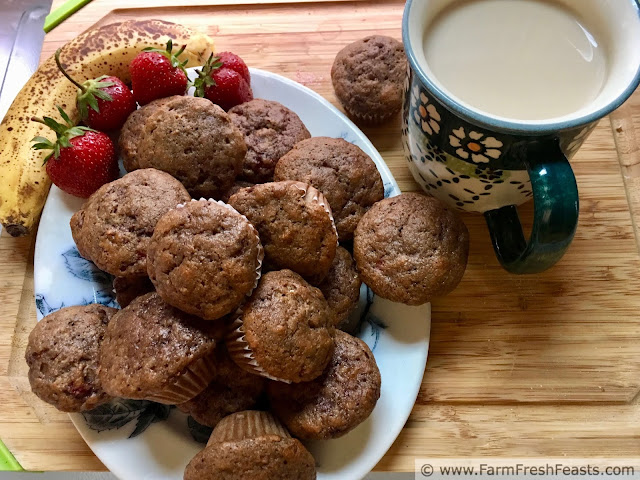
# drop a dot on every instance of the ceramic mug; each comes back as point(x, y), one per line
point(478, 162)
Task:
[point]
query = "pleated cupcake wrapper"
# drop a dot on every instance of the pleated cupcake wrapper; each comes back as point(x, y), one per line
point(313, 195)
point(191, 383)
point(248, 424)
point(370, 118)
point(260, 249)
point(241, 352)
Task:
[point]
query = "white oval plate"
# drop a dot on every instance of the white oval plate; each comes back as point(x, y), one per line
point(398, 334)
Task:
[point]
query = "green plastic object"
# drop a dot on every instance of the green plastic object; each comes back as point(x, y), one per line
point(63, 12)
point(8, 462)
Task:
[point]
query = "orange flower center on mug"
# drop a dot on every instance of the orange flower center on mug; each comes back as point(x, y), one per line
point(474, 147)
point(423, 111)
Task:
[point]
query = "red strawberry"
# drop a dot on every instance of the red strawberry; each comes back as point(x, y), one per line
point(235, 63)
point(104, 103)
point(221, 85)
point(157, 74)
point(83, 159)
point(111, 114)
point(229, 90)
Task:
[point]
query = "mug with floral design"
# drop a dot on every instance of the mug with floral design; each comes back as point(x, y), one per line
point(476, 161)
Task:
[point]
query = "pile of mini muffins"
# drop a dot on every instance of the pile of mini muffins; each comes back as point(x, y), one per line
point(231, 243)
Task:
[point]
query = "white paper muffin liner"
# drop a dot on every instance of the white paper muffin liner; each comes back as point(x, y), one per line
point(247, 424)
point(313, 195)
point(189, 384)
point(260, 248)
point(240, 351)
point(370, 119)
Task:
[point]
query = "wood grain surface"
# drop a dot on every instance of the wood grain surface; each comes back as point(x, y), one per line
point(519, 366)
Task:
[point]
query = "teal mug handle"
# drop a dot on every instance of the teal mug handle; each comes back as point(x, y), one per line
point(555, 197)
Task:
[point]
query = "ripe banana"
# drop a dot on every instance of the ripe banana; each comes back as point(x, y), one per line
point(105, 50)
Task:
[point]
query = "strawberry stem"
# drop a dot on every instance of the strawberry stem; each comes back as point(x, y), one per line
point(173, 57)
point(64, 72)
point(90, 91)
point(205, 78)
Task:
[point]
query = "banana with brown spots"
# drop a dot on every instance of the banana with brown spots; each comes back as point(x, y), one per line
point(105, 50)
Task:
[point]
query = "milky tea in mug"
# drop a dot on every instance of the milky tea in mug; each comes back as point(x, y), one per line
point(519, 59)
point(500, 94)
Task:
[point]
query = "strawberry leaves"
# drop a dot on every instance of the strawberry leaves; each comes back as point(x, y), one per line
point(64, 132)
point(173, 58)
point(92, 92)
point(205, 78)
point(89, 91)
point(46, 144)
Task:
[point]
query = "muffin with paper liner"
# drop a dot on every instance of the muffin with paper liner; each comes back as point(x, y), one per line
point(337, 401)
point(270, 130)
point(115, 224)
point(153, 351)
point(62, 355)
point(345, 174)
point(295, 224)
point(251, 445)
point(368, 76)
point(285, 330)
point(231, 390)
point(204, 258)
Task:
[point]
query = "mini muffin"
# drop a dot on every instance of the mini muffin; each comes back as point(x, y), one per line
point(341, 288)
point(231, 390)
point(113, 227)
point(152, 351)
point(345, 175)
point(270, 130)
point(204, 258)
point(133, 129)
point(295, 226)
point(284, 332)
point(239, 185)
point(251, 445)
point(336, 402)
point(368, 77)
point(128, 288)
point(62, 355)
point(410, 249)
point(189, 137)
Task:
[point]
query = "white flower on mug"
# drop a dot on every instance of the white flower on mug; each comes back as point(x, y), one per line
point(425, 114)
point(415, 93)
point(477, 146)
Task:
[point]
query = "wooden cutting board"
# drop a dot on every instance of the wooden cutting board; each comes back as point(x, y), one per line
point(539, 365)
